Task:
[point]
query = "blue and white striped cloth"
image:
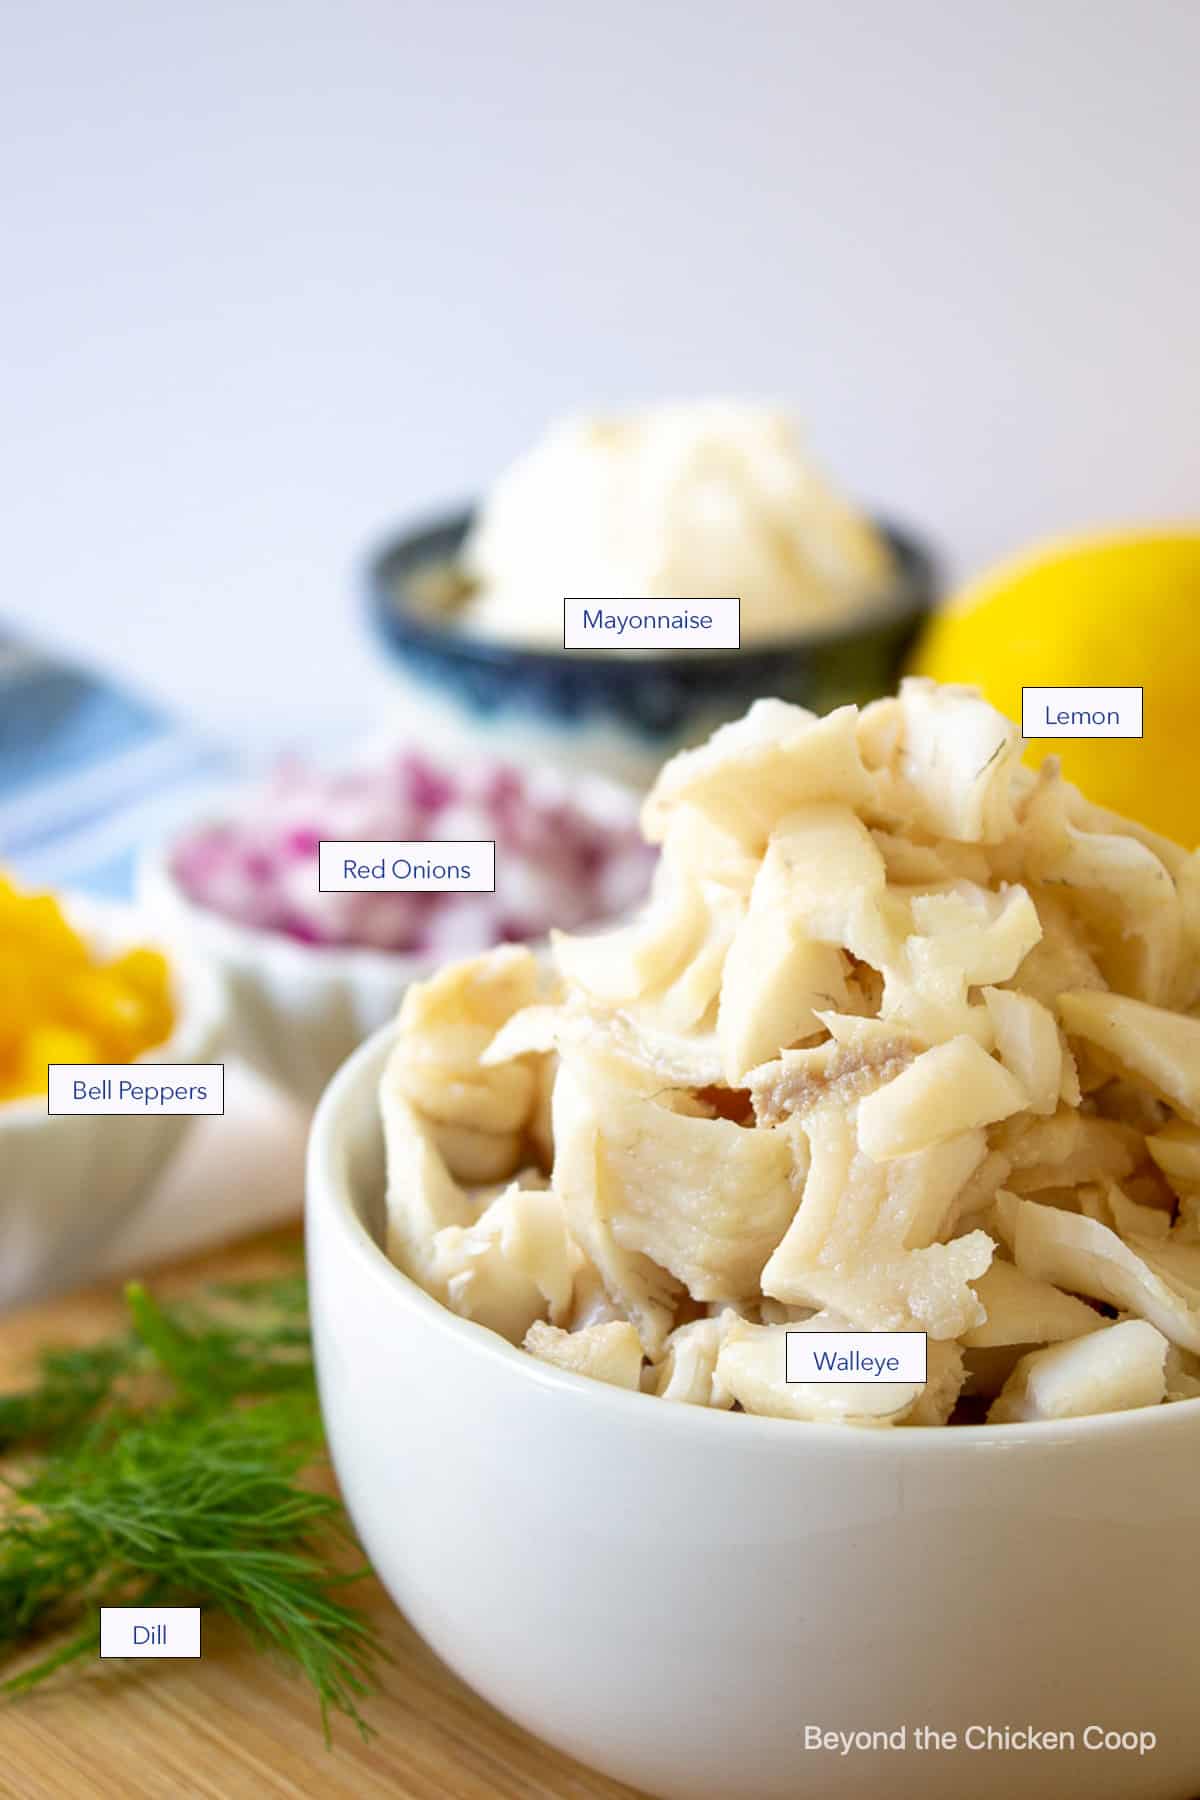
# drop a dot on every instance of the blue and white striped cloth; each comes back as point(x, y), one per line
point(88, 774)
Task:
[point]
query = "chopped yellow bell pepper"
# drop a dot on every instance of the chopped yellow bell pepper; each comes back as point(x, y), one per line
point(61, 1002)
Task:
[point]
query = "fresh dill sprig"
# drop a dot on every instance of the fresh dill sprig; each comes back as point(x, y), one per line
point(74, 1384)
point(168, 1467)
point(240, 1343)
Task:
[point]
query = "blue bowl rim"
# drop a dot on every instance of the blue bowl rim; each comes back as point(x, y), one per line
point(432, 538)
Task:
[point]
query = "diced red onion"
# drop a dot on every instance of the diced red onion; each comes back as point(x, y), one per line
point(557, 862)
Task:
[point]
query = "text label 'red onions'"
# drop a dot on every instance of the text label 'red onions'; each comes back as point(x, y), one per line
point(369, 866)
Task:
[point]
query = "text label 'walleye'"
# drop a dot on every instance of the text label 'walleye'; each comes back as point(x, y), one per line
point(856, 1356)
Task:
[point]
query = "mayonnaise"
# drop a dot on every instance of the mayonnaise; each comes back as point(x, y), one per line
point(684, 500)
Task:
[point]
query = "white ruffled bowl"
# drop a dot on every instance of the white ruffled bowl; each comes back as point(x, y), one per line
point(299, 1010)
point(68, 1181)
point(296, 1010)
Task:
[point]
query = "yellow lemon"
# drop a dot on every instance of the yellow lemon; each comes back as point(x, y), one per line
point(1121, 611)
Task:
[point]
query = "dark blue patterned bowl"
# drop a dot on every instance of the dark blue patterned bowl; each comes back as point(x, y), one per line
point(620, 712)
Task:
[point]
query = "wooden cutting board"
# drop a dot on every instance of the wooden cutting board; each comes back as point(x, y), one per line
point(232, 1726)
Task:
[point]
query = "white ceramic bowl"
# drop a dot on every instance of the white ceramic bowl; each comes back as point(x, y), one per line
point(675, 1595)
point(300, 1009)
point(68, 1181)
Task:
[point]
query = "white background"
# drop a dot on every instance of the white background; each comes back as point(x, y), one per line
point(277, 275)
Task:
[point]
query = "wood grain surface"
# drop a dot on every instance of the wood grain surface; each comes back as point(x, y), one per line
point(233, 1726)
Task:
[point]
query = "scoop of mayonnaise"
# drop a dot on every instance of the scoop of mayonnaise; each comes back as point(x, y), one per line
point(685, 500)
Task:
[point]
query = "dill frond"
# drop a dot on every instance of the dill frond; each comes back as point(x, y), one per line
point(171, 1466)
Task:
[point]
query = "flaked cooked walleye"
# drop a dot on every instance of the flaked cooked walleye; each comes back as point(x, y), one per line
point(904, 1040)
